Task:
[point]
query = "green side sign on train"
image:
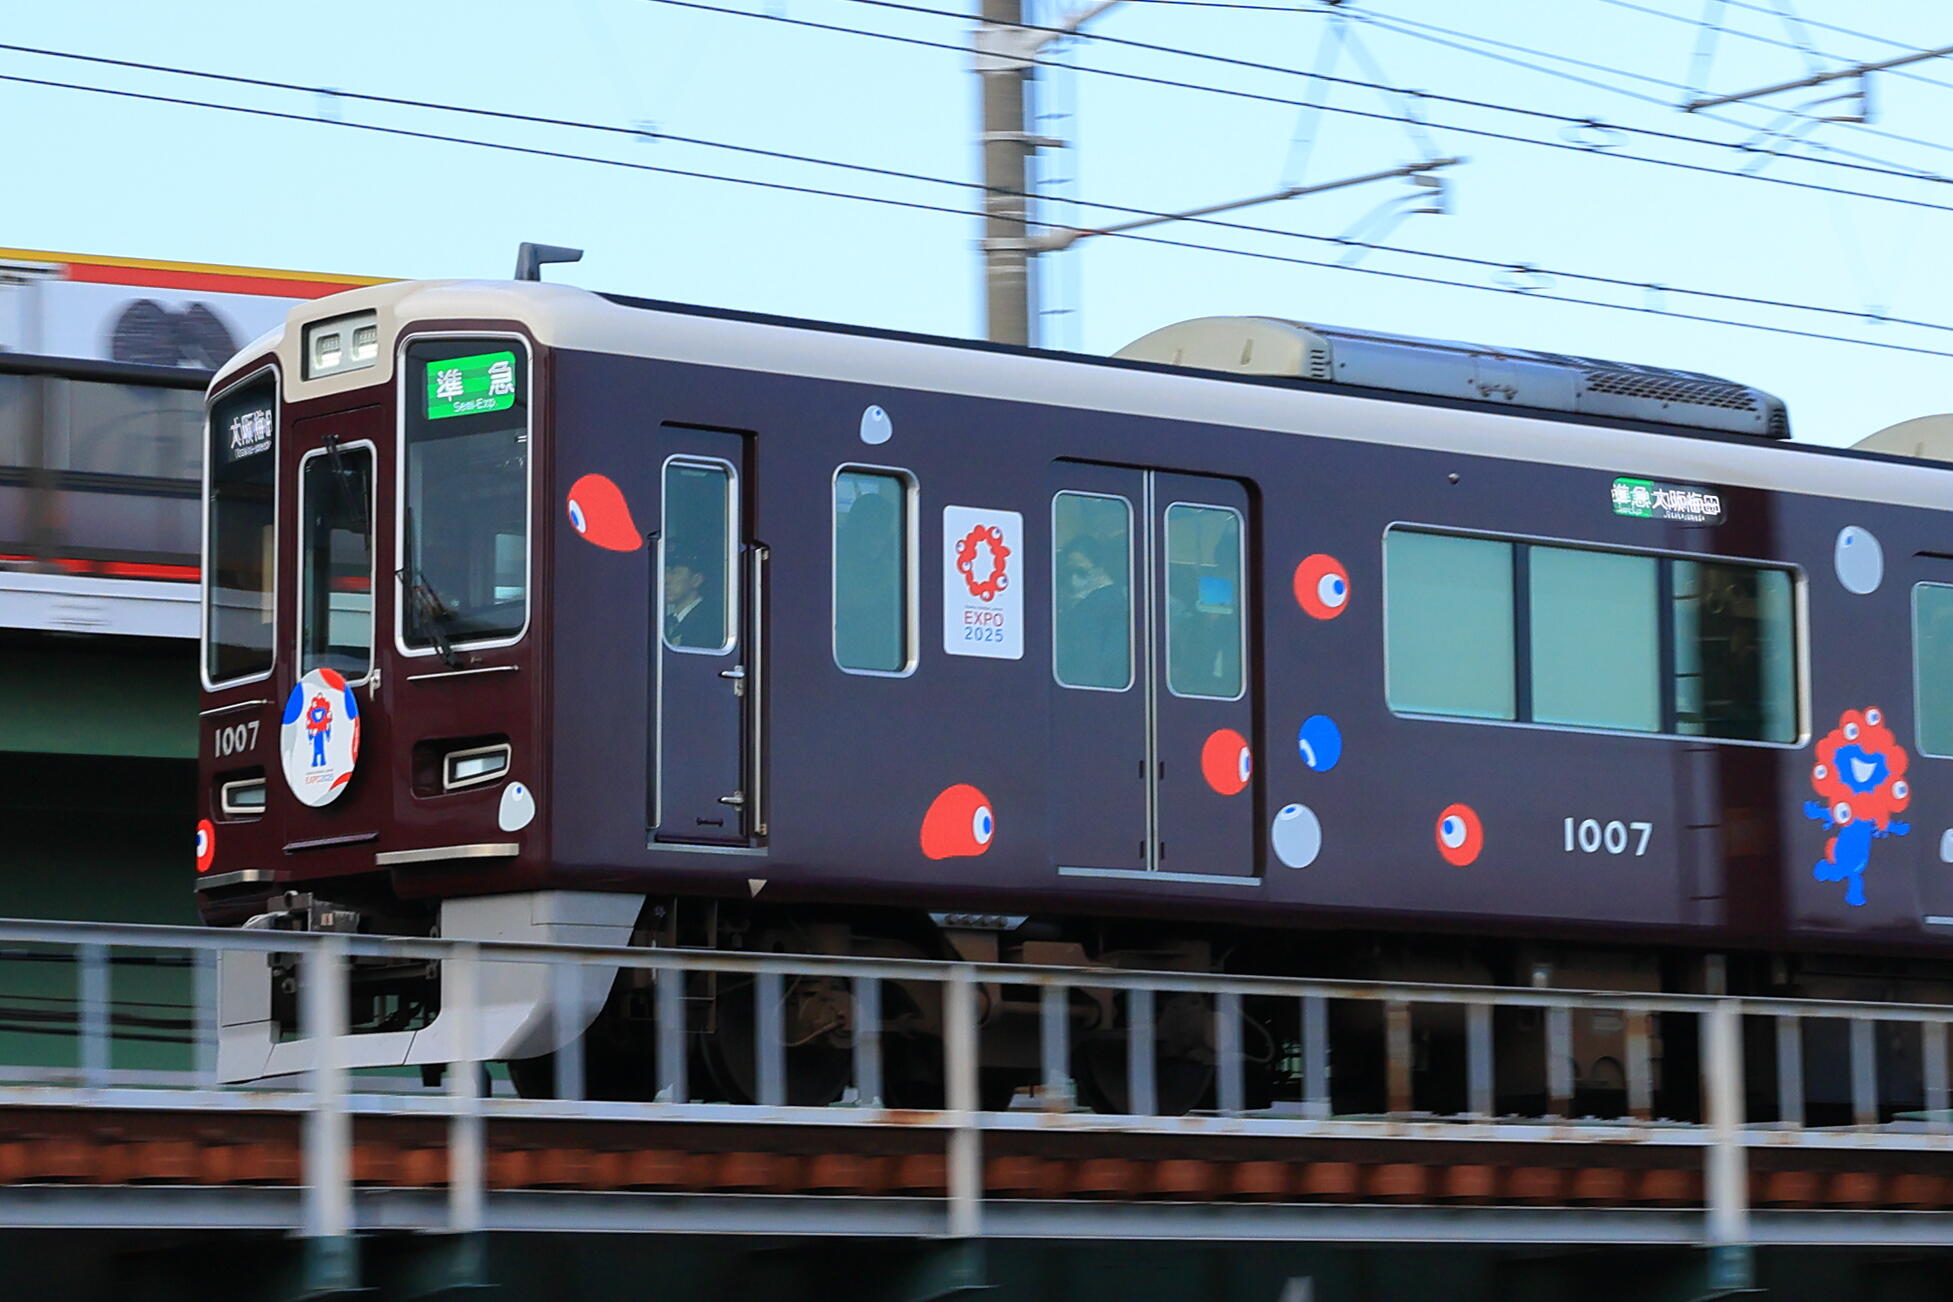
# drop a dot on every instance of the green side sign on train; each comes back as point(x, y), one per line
point(469, 386)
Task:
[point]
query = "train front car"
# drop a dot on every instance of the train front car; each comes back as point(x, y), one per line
point(371, 667)
point(537, 614)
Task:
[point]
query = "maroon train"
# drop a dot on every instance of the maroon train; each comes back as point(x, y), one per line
point(533, 613)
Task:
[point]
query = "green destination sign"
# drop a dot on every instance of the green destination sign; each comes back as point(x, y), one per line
point(469, 386)
point(1647, 499)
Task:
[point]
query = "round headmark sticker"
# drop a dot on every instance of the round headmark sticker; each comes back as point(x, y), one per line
point(320, 737)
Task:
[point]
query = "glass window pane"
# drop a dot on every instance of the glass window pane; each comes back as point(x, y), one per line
point(1595, 640)
point(698, 557)
point(1091, 584)
point(871, 571)
point(336, 564)
point(1203, 601)
point(240, 553)
point(1448, 621)
point(467, 492)
point(1932, 624)
point(1735, 652)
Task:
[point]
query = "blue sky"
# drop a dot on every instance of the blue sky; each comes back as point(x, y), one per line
point(96, 174)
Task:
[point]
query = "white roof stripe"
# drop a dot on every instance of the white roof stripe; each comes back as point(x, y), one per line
point(563, 317)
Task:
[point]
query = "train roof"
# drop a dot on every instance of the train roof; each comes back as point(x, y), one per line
point(566, 317)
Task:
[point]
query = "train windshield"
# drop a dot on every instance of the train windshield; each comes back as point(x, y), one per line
point(465, 527)
point(242, 524)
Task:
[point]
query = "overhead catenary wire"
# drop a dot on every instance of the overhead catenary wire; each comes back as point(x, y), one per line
point(1123, 210)
point(1483, 133)
point(1346, 110)
point(1880, 168)
point(1538, 294)
point(1435, 34)
point(1786, 45)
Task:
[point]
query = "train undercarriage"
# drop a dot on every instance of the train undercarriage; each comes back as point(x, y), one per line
point(820, 1019)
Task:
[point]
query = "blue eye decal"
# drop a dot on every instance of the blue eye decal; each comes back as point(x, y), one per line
point(1320, 743)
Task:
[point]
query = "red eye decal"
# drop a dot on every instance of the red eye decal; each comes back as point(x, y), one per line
point(1226, 762)
point(598, 511)
point(959, 824)
point(206, 845)
point(1460, 837)
point(1322, 586)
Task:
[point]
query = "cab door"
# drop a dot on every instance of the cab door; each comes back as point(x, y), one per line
point(703, 672)
point(326, 713)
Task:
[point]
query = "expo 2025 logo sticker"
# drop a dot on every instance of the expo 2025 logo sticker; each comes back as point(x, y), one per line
point(319, 737)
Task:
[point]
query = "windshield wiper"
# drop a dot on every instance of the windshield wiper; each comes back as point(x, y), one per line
point(430, 612)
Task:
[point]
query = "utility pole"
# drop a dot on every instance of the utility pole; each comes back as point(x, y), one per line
point(1004, 54)
point(1006, 174)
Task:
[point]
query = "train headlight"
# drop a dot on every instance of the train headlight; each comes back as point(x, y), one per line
point(344, 343)
point(243, 798)
point(472, 767)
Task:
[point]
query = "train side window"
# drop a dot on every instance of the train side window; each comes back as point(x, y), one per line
point(335, 585)
point(700, 560)
point(1204, 613)
point(1735, 652)
point(242, 521)
point(1091, 591)
point(874, 571)
point(1932, 654)
point(1595, 640)
point(1448, 625)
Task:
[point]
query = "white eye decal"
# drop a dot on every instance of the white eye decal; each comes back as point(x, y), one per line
point(576, 517)
point(1841, 813)
point(1332, 590)
point(1851, 732)
point(980, 825)
point(1296, 836)
point(517, 810)
point(1452, 831)
point(203, 843)
point(1900, 790)
point(1820, 773)
point(1247, 763)
point(876, 426)
point(1874, 717)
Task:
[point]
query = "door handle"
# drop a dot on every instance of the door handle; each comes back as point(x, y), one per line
point(735, 673)
point(736, 799)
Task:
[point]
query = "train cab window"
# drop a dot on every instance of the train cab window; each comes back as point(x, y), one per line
point(1091, 591)
point(335, 614)
point(465, 493)
point(1204, 612)
point(240, 546)
point(1596, 649)
point(1932, 650)
point(873, 572)
point(1448, 625)
point(1735, 651)
point(699, 559)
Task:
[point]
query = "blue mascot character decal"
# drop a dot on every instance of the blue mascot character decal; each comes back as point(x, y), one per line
point(1860, 773)
point(318, 726)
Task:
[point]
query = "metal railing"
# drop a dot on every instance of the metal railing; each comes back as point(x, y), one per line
point(1650, 1034)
